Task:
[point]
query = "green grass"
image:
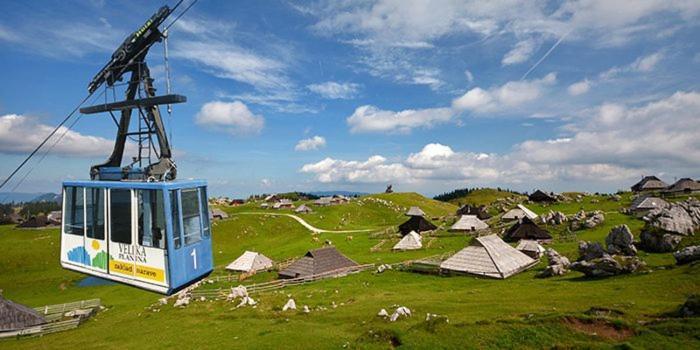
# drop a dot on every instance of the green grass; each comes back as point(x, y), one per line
point(484, 196)
point(520, 312)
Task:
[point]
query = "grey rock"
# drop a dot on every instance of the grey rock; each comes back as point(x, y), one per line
point(554, 218)
point(687, 255)
point(608, 266)
point(591, 250)
point(557, 264)
point(621, 241)
point(596, 219)
point(659, 242)
point(681, 218)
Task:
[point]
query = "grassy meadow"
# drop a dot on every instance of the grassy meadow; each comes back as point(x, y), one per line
point(520, 312)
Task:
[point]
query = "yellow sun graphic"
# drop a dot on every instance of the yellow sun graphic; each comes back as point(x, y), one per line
point(95, 245)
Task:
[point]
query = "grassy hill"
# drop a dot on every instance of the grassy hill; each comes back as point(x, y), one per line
point(520, 312)
point(484, 196)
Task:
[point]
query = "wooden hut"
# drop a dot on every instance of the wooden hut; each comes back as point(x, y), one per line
point(411, 241)
point(316, 262)
point(542, 197)
point(14, 316)
point(526, 229)
point(468, 223)
point(649, 183)
point(488, 256)
point(519, 212)
point(418, 224)
point(468, 209)
point(250, 262)
point(684, 185)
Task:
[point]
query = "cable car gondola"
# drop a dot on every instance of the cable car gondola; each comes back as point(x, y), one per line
point(136, 224)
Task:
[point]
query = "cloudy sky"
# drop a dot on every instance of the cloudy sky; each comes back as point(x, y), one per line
point(354, 95)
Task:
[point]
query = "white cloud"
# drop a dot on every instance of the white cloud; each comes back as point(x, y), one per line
point(469, 75)
point(229, 61)
point(232, 117)
point(522, 51)
point(21, 134)
point(372, 119)
point(640, 65)
point(312, 143)
point(579, 88)
point(501, 98)
point(335, 90)
point(615, 144)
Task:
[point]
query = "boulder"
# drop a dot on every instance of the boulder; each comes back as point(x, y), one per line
point(621, 241)
point(691, 307)
point(596, 219)
point(608, 266)
point(687, 255)
point(182, 302)
point(591, 250)
point(557, 264)
point(400, 311)
point(681, 218)
point(553, 218)
point(581, 215)
point(615, 198)
point(658, 241)
point(305, 309)
point(290, 305)
point(383, 313)
point(246, 301)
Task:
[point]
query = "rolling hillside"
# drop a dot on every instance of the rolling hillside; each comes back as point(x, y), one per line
point(483, 196)
point(520, 312)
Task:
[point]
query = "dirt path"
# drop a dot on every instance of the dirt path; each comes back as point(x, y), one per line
point(304, 223)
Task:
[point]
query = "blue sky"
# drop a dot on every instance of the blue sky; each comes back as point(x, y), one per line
point(428, 96)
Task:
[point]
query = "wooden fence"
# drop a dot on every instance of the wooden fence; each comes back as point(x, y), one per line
point(281, 283)
point(54, 316)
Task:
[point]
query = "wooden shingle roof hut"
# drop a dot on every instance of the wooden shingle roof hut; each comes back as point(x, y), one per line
point(305, 209)
point(519, 212)
point(649, 183)
point(14, 316)
point(541, 197)
point(468, 209)
point(530, 248)
point(415, 211)
point(416, 223)
point(316, 262)
point(411, 241)
point(684, 185)
point(34, 222)
point(646, 203)
point(526, 229)
point(488, 256)
point(250, 262)
point(468, 223)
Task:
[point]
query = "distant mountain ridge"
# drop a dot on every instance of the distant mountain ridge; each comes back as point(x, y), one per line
point(19, 197)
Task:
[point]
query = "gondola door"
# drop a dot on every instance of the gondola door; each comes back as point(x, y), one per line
point(150, 248)
point(95, 239)
point(121, 223)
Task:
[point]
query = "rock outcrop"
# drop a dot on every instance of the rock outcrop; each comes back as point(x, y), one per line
point(554, 218)
point(656, 241)
point(687, 255)
point(590, 251)
point(621, 241)
point(557, 264)
point(596, 219)
point(608, 266)
point(681, 218)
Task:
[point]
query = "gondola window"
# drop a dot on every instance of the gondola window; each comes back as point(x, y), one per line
point(120, 209)
point(74, 211)
point(191, 219)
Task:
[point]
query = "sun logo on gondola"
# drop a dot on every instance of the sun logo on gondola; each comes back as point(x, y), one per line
point(95, 245)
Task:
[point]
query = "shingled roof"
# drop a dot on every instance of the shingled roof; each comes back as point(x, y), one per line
point(647, 203)
point(316, 262)
point(416, 223)
point(540, 196)
point(14, 316)
point(469, 223)
point(250, 262)
point(526, 229)
point(684, 185)
point(489, 256)
point(415, 211)
point(649, 183)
